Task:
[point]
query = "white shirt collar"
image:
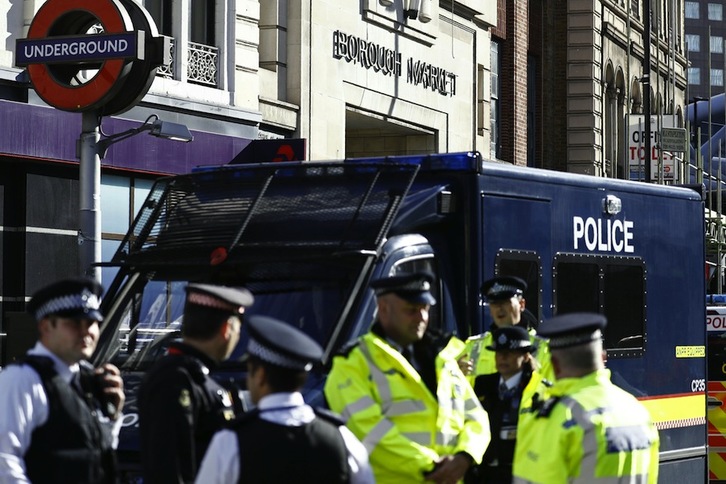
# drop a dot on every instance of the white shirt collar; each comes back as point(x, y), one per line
point(276, 400)
point(64, 370)
point(512, 381)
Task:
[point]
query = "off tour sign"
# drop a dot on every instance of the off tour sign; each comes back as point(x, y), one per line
point(661, 141)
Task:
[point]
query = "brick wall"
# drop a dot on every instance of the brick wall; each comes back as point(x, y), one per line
point(553, 91)
point(512, 29)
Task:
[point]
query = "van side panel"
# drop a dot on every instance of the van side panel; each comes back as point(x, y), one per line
point(654, 232)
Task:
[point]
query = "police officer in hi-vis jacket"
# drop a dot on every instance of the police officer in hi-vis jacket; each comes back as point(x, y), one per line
point(588, 430)
point(402, 392)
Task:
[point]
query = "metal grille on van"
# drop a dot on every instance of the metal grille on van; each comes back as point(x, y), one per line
point(253, 208)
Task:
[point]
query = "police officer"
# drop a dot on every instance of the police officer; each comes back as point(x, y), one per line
point(60, 417)
point(180, 405)
point(590, 429)
point(501, 394)
point(402, 391)
point(283, 440)
point(505, 297)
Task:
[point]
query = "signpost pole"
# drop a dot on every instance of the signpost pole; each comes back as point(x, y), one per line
point(89, 235)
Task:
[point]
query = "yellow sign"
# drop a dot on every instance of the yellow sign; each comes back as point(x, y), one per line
point(690, 351)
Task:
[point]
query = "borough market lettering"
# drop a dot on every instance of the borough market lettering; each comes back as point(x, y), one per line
point(388, 62)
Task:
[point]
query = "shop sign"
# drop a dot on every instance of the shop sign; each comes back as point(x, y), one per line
point(388, 62)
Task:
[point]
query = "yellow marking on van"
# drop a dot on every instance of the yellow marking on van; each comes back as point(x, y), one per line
point(690, 351)
point(679, 410)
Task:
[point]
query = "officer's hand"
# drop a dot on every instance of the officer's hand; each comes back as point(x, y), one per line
point(466, 365)
point(450, 469)
point(113, 386)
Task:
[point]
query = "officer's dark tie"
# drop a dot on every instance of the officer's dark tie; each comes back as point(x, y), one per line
point(408, 354)
point(503, 389)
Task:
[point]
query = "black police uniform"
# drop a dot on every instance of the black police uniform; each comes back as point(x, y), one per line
point(502, 406)
point(72, 446)
point(180, 405)
point(271, 452)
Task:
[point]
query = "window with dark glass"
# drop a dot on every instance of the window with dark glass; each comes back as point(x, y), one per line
point(525, 265)
point(202, 22)
point(609, 285)
point(494, 111)
point(160, 11)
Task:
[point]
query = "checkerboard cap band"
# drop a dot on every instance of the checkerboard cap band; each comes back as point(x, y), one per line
point(574, 339)
point(497, 288)
point(86, 300)
point(269, 355)
point(201, 299)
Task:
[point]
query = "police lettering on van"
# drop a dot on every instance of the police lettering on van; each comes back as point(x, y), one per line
point(603, 235)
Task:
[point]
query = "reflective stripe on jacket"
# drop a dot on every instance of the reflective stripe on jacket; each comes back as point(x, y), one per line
point(404, 427)
point(594, 433)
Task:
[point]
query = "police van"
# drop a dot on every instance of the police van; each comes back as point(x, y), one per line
point(308, 237)
point(716, 333)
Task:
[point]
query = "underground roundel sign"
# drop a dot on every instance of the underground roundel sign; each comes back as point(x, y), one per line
point(84, 55)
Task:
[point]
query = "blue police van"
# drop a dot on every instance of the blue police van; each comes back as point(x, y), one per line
point(308, 237)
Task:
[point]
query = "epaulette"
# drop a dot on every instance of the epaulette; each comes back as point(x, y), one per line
point(42, 365)
point(329, 416)
point(347, 348)
point(33, 360)
point(547, 406)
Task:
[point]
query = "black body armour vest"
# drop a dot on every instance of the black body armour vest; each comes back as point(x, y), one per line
point(313, 453)
point(72, 446)
point(211, 413)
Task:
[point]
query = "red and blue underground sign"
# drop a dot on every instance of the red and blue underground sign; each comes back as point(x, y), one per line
point(58, 48)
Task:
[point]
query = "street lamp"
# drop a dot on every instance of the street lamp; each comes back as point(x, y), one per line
point(157, 127)
point(91, 149)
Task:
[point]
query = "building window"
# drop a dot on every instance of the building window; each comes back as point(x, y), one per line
point(494, 114)
point(122, 198)
point(193, 43)
point(717, 77)
point(715, 11)
point(613, 286)
point(694, 75)
point(692, 10)
point(635, 8)
point(694, 42)
point(716, 45)
point(160, 11)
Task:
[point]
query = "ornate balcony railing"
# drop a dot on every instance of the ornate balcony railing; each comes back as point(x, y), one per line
point(203, 61)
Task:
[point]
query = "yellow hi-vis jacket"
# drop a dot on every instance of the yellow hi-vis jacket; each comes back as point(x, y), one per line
point(483, 359)
point(590, 431)
point(402, 425)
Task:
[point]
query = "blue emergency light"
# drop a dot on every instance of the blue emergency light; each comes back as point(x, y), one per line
point(714, 299)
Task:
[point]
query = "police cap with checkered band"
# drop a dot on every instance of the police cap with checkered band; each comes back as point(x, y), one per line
point(501, 288)
point(278, 343)
point(413, 287)
point(510, 338)
point(74, 298)
point(233, 300)
point(573, 329)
